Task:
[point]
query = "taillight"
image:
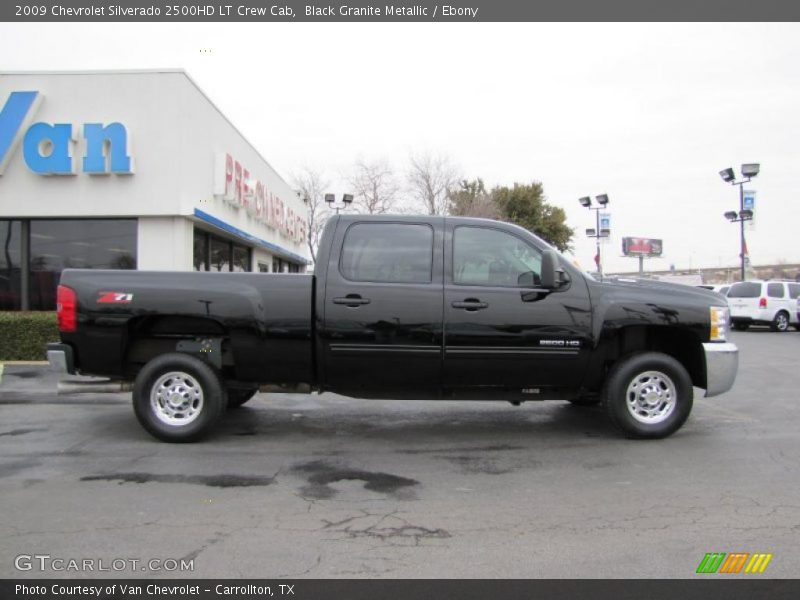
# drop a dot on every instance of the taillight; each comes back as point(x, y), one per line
point(67, 309)
point(762, 303)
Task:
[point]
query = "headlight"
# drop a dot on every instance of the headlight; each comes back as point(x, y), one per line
point(720, 316)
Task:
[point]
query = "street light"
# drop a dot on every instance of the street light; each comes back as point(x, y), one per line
point(597, 232)
point(749, 170)
point(347, 200)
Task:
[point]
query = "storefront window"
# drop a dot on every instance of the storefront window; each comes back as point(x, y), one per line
point(200, 250)
point(212, 253)
point(10, 271)
point(76, 243)
point(220, 254)
point(241, 259)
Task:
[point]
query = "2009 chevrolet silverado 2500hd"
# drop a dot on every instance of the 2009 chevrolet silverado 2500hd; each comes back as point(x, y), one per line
point(399, 307)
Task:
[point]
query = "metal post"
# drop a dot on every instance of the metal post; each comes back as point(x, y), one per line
point(641, 265)
point(741, 227)
point(597, 232)
point(25, 265)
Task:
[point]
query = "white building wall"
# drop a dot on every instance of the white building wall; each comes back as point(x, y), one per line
point(175, 135)
point(165, 244)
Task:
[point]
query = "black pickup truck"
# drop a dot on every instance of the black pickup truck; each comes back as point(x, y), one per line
point(399, 307)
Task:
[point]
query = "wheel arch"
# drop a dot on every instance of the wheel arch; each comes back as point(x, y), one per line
point(684, 345)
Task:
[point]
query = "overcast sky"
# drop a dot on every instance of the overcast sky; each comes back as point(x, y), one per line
point(647, 113)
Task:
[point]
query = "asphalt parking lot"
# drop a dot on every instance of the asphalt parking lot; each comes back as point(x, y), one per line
point(324, 486)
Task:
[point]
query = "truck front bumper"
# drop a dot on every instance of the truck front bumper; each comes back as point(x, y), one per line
point(61, 358)
point(722, 361)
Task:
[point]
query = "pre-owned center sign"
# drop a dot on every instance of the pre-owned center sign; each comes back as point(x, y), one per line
point(233, 183)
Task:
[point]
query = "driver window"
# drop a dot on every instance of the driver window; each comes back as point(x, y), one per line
point(491, 257)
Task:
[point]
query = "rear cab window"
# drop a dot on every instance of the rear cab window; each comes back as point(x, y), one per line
point(388, 253)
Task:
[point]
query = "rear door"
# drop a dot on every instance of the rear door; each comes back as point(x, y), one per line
point(382, 319)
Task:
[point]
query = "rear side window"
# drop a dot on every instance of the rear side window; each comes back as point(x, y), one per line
point(794, 290)
point(775, 290)
point(388, 253)
point(745, 289)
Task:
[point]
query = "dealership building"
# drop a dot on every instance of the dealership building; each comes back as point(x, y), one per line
point(132, 170)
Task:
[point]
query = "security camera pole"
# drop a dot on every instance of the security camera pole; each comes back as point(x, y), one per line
point(602, 202)
point(749, 170)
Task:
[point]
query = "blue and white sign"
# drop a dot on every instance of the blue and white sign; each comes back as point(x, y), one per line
point(749, 203)
point(749, 200)
point(49, 148)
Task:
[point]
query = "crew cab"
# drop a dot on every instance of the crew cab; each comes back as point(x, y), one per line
point(399, 307)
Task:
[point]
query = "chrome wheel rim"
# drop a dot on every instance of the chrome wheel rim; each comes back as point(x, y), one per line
point(783, 322)
point(651, 397)
point(176, 399)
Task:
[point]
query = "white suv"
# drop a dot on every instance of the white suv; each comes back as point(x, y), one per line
point(772, 303)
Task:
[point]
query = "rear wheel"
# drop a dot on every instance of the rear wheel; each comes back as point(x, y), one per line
point(648, 395)
point(740, 326)
point(178, 397)
point(781, 322)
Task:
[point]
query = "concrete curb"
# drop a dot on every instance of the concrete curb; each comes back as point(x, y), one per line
point(29, 382)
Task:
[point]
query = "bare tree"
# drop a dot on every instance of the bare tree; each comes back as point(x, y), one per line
point(374, 186)
point(311, 184)
point(430, 180)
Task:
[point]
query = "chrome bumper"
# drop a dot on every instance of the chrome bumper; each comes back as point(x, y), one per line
point(722, 361)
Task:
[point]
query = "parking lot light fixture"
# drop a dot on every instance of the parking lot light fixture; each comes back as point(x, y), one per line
point(596, 233)
point(749, 170)
point(347, 200)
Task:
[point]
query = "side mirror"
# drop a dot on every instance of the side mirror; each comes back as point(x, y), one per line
point(528, 279)
point(553, 275)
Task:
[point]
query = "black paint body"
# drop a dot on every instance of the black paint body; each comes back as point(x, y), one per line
point(408, 341)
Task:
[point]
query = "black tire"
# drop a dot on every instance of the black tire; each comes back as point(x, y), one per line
point(667, 379)
point(238, 396)
point(196, 396)
point(780, 322)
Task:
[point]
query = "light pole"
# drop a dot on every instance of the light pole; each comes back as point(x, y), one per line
point(347, 200)
point(749, 170)
point(597, 233)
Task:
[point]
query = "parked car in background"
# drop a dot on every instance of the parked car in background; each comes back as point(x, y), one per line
point(771, 302)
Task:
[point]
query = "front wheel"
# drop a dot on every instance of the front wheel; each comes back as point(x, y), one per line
point(178, 397)
point(648, 395)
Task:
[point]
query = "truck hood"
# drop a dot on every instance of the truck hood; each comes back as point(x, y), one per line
point(665, 290)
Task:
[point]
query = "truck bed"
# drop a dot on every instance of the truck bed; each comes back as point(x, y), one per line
point(264, 321)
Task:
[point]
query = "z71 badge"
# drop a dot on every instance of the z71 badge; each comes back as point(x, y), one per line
point(114, 298)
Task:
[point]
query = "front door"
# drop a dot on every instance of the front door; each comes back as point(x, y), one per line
point(497, 334)
point(382, 318)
